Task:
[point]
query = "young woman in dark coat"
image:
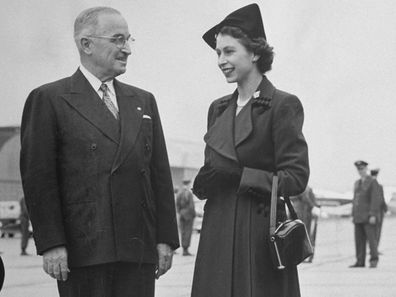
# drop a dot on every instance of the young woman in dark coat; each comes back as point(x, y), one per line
point(254, 133)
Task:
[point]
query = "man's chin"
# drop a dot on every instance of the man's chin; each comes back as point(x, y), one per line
point(120, 70)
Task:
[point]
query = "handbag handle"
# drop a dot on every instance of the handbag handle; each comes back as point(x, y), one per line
point(274, 201)
point(274, 198)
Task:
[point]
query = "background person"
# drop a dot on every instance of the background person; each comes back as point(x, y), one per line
point(383, 206)
point(254, 133)
point(186, 209)
point(303, 204)
point(24, 221)
point(365, 214)
point(95, 171)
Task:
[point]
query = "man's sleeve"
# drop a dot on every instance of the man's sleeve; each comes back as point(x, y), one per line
point(162, 185)
point(38, 165)
point(290, 153)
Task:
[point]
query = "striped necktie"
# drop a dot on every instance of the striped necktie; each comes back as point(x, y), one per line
point(107, 100)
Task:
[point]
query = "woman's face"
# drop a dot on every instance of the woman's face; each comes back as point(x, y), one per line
point(234, 60)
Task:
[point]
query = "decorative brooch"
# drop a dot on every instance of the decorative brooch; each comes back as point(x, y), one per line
point(222, 106)
point(263, 103)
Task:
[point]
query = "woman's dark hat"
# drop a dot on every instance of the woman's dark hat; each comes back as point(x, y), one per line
point(247, 18)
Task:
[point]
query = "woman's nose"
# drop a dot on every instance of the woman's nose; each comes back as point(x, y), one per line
point(221, 60)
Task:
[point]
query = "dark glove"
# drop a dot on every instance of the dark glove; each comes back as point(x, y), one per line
point(230, 176)
point(210, 179)
point(200, 186)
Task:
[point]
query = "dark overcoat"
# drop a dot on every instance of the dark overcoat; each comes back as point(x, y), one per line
point(100, 187)
point(367, 200)
point(265, 138)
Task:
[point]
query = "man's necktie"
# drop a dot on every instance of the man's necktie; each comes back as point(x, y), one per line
point(107, 100)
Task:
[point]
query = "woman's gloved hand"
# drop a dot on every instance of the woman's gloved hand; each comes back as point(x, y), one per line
point(209, 179)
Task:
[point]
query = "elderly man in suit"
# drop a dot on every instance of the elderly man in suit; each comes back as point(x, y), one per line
point(365, 213)
point(95, 171)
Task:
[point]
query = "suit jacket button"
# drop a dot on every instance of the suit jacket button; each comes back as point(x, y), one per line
point(93, 146)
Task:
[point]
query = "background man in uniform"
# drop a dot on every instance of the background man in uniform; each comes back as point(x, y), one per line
point(95, 171)
point(303, 205)
point(365, 213)
point(186, 209)
point(24, 221)
point(383, 206)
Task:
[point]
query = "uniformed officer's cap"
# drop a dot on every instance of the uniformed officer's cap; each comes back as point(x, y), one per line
point(247, 18)
point(374, 172)
point(360, 164)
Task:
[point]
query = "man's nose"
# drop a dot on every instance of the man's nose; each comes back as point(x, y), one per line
point(126, 48)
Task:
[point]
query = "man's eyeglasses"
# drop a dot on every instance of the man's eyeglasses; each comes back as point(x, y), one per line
point(119, 41)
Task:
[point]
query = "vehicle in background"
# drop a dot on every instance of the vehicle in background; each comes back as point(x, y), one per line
point(9, 218)
point(334, 203)
point(392, 204)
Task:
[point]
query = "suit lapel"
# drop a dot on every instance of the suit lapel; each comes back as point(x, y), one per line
point(131, 114)
point(220, 136)
point(84, 99)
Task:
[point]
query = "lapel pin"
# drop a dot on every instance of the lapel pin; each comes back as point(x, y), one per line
point(139, 108)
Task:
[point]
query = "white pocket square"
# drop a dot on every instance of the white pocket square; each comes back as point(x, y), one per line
point(145, 116)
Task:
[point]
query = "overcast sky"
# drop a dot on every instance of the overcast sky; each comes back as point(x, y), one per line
point(338, 57)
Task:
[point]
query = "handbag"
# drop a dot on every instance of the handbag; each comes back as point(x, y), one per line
point(289, 241)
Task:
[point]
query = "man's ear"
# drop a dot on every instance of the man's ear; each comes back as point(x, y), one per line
point(85, 45)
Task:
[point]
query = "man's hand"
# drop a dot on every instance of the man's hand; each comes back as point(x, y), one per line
point(165, 256)
point(372, 220)
point(55, 263)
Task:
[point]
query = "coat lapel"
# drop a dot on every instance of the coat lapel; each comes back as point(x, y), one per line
point(220, 136)
point(131, 115)
point(244, 126)
point(84, 99)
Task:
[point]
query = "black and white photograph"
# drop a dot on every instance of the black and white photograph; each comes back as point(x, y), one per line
point(198, 148)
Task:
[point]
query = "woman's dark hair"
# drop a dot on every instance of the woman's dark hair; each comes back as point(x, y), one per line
point(258, 46)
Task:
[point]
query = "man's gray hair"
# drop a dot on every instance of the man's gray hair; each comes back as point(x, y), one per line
point(88, 19)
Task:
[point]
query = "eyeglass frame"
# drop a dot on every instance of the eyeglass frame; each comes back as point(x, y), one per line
point(115, 39)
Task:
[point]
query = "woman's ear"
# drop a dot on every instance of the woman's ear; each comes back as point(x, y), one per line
point(255, 58)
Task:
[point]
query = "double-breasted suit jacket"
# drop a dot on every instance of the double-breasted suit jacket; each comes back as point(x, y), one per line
point(99, 186)
point(264, 139)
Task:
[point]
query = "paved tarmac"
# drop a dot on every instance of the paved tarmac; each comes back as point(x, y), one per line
point(327, 276)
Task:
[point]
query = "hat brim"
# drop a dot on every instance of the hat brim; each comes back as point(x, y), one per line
point(210, 36)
